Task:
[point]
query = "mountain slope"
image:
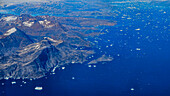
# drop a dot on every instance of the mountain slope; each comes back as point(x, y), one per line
point(14, 39)
point(37, 59)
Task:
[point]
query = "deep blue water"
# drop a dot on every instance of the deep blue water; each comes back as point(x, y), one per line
point(141, 61)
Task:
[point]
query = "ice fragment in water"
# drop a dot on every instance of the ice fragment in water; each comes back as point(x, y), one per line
point(63, 68)
point(38, 88)
point(132, 89)
point(13, 82)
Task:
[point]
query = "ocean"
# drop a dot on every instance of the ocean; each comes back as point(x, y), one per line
point(139, 44)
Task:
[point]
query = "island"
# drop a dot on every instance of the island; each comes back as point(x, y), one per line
point(32, 46)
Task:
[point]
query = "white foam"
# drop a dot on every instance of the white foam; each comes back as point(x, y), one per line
point(10, 31)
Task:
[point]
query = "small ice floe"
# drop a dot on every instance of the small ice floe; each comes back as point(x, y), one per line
point(107, 30)
point(132, 89)
point(3, 83)
point(96, 41)
point(13, 82)
point(89, 65)
point(118, 54)
point(63, 68)
point(73, 78)
point(38, 88)
point(138, 49)
point(137, 29)
point(73, 62)
point(123, 17)
point(24, 82)
point(94, 65)
point(121, 30)
point(6, 78)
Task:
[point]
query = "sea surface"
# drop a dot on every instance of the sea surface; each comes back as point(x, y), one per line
point(140, 46)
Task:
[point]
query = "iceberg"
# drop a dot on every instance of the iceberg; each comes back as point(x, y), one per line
point(38, 88)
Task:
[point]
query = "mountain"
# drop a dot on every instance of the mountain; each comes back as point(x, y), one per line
point(34, 61)
point(37, 59)
point(32, 46)
point(14, 39)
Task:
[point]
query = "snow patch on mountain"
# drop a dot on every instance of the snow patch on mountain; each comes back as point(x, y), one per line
point(52, 40)
point(10, 31)
point(28, 24)
point(46, 23)
point(9, 18)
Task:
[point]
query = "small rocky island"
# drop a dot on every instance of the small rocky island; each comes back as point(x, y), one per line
point(32, 46)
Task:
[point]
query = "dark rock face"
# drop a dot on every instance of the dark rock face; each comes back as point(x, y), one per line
point(17, 39)
point(14, 41)
point(37, 59)
point(30, 47)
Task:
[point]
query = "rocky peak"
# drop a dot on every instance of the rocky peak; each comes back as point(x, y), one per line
point(14, 38)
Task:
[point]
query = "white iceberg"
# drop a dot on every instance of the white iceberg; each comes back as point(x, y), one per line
point(38, 88)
